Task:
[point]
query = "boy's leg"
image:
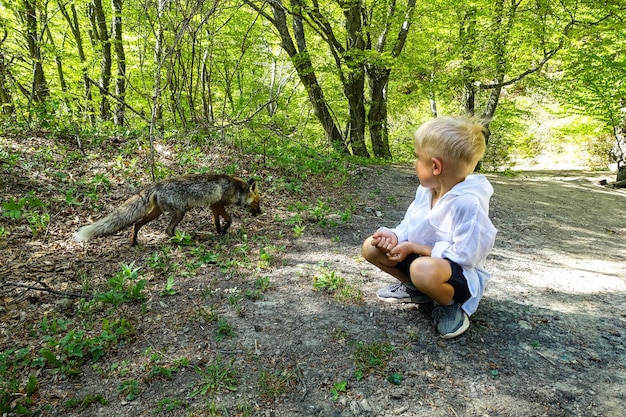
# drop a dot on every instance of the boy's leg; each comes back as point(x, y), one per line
point(402, 291)
point(443, 280)
point(377, 257)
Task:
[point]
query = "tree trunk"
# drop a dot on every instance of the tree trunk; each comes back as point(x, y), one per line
point(377, 116)
point(6, 100)
point(40, 90)
point(467, 37)
point(101, 35)
point(72, 21)
point(120, 80)
point(378, 74)
point(354, 85)
point(207, 95)
point(304, 67)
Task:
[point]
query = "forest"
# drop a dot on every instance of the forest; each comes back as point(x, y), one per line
point(317, 101)
point(344, 76)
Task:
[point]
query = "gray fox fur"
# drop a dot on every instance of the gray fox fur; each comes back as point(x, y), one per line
point(175, 196)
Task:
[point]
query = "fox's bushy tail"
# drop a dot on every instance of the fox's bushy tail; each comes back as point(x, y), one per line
point(125, 215)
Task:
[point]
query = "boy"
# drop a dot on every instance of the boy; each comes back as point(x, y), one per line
point(437, 251)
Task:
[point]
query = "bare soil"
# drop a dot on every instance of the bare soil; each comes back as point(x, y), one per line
point(548, 339)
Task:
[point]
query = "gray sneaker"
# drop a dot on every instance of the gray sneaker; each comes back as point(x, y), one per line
point(451, 321)
point(399, 293)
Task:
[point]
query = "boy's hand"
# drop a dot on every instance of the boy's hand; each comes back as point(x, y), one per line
point(400, 251)
point(384, 240)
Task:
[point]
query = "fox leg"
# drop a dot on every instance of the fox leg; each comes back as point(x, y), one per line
point(152, 214)
point(217, 212)
point(177, 216)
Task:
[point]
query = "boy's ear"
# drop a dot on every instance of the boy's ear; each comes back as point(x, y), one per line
point(437, 165)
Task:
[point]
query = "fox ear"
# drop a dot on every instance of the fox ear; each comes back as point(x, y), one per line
point(253, 185)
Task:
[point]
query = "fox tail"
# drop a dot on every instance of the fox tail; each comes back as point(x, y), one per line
point(125, 215)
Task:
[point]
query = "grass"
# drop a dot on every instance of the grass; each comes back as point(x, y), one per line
point(217, 376)
point(131, 288)
point(332, 283)
point(372, 358)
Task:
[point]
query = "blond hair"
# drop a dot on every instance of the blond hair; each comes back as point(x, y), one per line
point(457, 140)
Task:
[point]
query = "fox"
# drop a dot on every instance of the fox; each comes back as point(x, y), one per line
point(175, 196)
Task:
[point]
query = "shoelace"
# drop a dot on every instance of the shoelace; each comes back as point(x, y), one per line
point(439, 311)
point(398, 287)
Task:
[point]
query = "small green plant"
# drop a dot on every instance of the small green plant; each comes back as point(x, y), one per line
point(169, 404)
point(224, 330)
point(181, 238)
point(203, 315)
point(125, 286)
point(161, 371)
point(169, 287)
point(84, 402)
point(71, 199)
point(371, 357)
point(233, 299)
point(265, 258)
point(218, 376)
point(298, 231)
point(130, 389)
point(328, 281)
point(273, 384)
point(261, 285)
point(158, 260)
point(38, 222)
point(13, 209)
point(320, 211)
point(337, 388)
point(348, 293)
point(336, 285)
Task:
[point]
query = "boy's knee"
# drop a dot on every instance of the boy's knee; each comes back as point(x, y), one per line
point(427, 269)
point(367, 249)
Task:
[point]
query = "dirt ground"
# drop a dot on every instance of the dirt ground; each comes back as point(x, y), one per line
point(548, 339)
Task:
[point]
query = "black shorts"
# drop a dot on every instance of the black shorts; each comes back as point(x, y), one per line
point(457, 280)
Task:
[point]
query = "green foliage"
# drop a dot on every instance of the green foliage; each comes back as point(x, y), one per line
point(130, 389)
point(181, 238)
point(85, 402)
point(332, 283)
point(218, 376)
point(125, 286)
point(338, 388)
point(68, 348)
point(371, 357)
point(11, 361)
point(169, 287)
point(274, 383)
point(224, 330)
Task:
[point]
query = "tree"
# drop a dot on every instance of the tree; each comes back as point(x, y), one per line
point(6, 99)
point(379, 71)
point(295, 44)
point(34, 35)
point(593, 80)
point(120, 79)
point(100, 36)
point(358, 47)
point(71, 18)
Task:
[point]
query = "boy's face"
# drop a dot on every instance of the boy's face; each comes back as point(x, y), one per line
point(423, 167)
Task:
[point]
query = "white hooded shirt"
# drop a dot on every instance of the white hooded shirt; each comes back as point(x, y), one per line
point(457, 227)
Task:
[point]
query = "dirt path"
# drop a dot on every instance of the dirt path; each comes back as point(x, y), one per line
point(547, 340)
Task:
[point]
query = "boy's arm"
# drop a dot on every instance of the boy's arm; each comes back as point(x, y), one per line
point(404, 249)
point(473, 238)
